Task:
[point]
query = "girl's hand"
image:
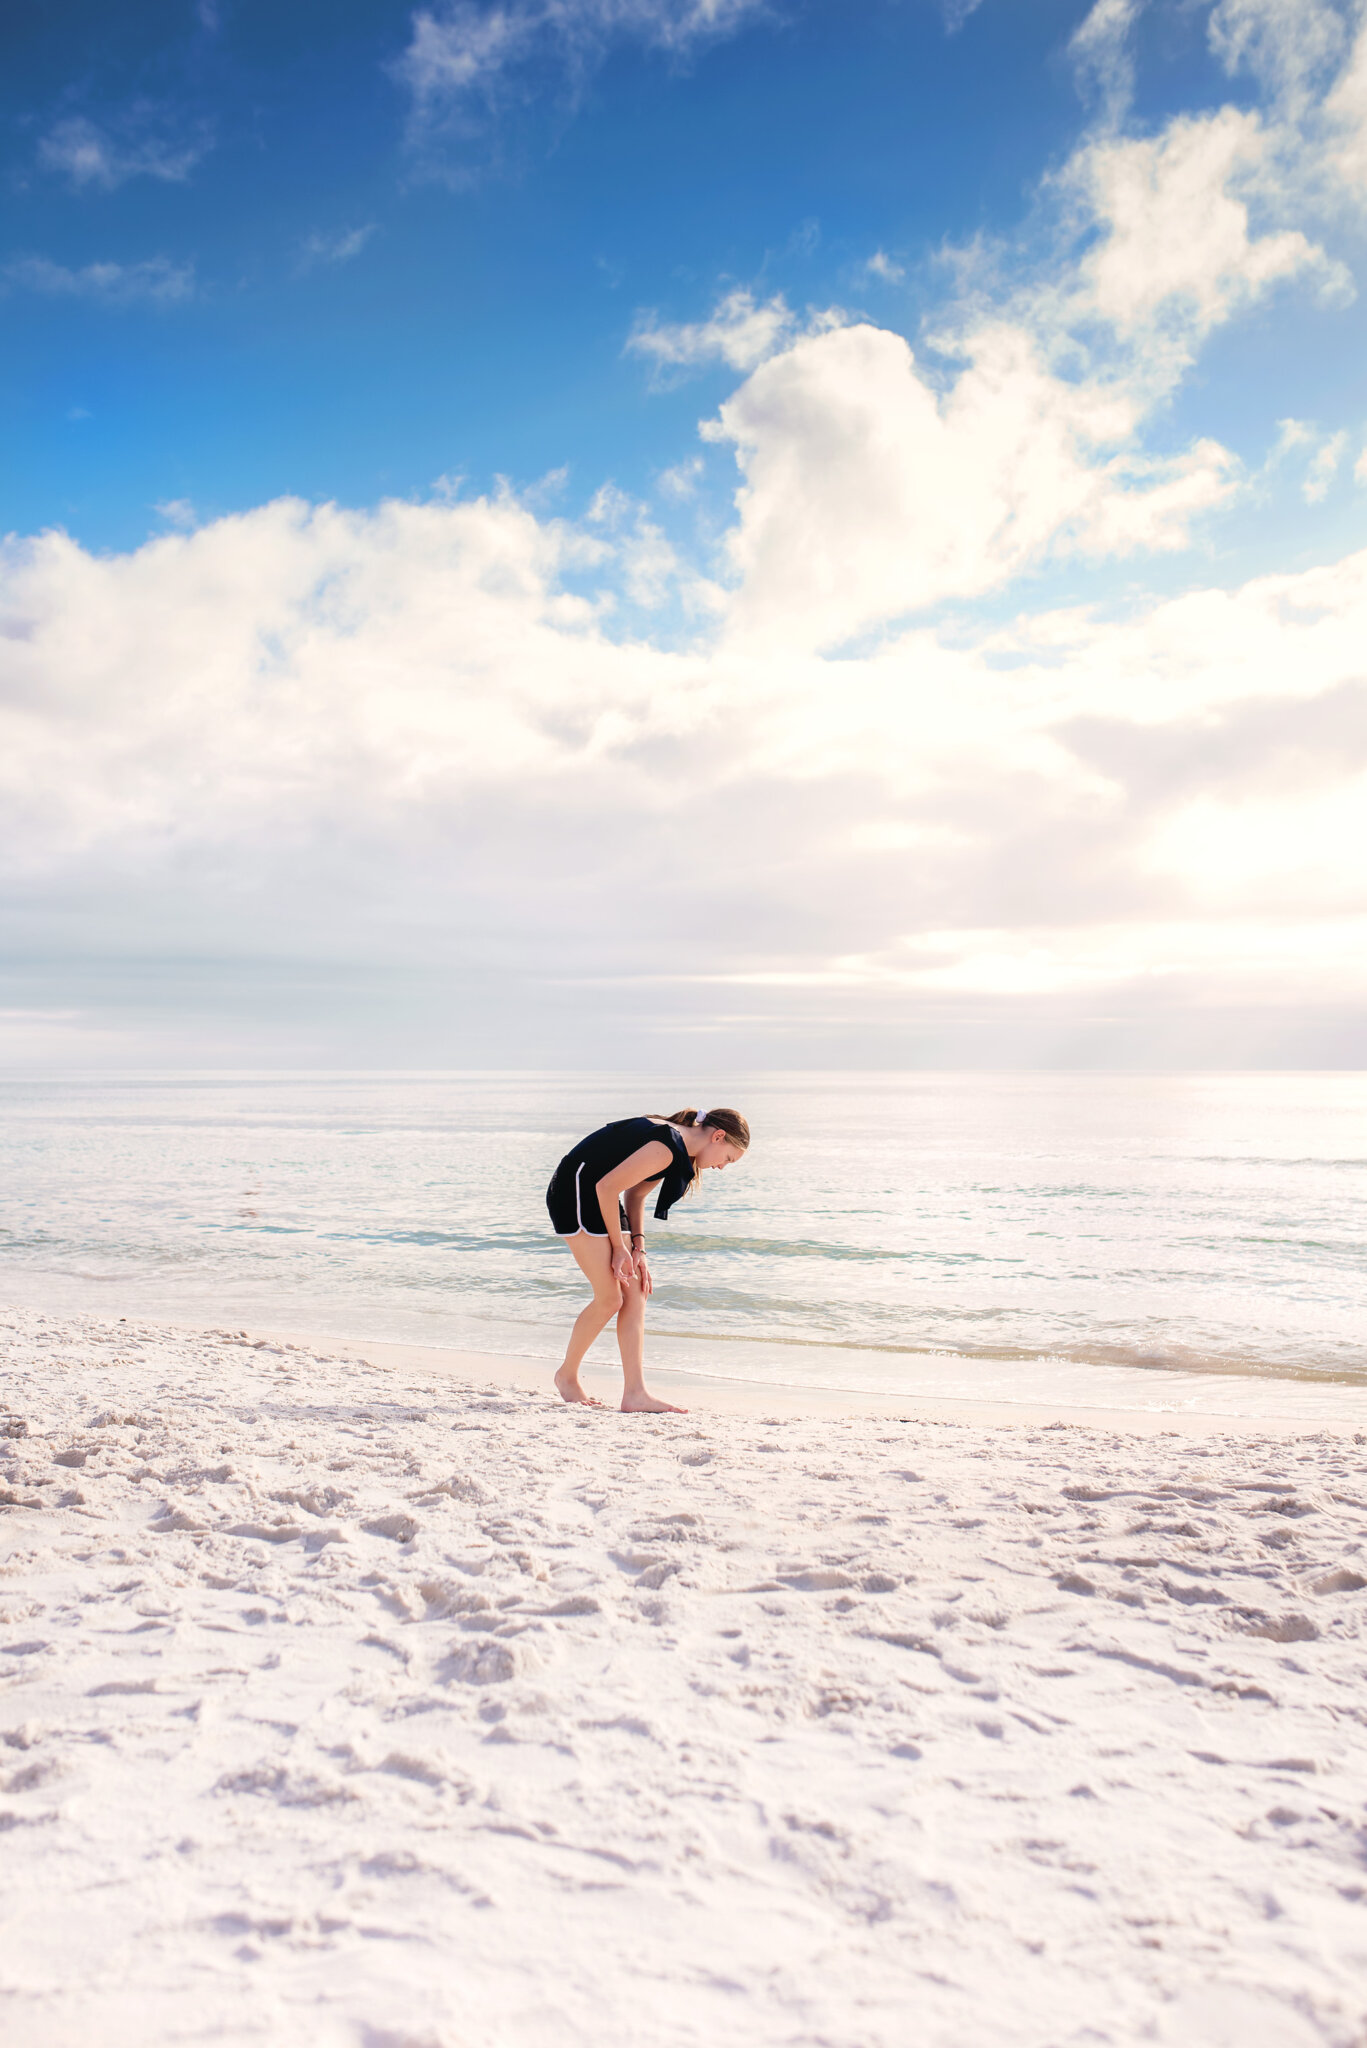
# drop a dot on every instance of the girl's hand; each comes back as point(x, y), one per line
point(622, 1268)
point(643, 1271)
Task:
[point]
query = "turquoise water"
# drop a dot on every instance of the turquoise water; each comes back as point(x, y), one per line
point(1004, 1223)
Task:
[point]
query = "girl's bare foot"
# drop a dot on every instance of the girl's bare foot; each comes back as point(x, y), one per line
point(568, 1387)
point(646, 1404)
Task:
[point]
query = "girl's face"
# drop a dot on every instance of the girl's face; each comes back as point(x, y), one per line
point(721, 1150)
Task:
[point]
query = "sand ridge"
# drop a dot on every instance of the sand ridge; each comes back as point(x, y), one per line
point(340, 1707)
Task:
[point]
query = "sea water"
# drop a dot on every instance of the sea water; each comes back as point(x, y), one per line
point(1122, 1238)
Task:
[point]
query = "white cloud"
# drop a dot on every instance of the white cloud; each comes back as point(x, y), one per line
point(741, 332)
point(1102, 61)
point(1345, 120)
point(141, 144)
point(464, 62)
point(157, 280)
point(875, 485)
point(340, 247)
point(868, 493)
point(1323, 468)
point(1288, 45)
point(681, 479)
point(394, 738)
point(1044, 961)
point(1176, 255)
point(881, 265)
point(178, 512)
point(648, 566)
point(1291, 434)
point(1360, 468)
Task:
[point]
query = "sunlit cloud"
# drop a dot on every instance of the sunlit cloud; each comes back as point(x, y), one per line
point(740, 332)
point(290, 721)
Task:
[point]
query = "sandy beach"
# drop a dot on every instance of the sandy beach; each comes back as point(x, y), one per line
point(351, 1702)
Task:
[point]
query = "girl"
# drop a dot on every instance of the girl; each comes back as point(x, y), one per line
point(597, 1202)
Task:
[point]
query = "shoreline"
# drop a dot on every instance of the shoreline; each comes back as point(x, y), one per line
point(1342, 1411)
point(736, 1374)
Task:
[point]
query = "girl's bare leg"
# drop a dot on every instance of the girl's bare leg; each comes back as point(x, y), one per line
point(631, 1342)
point(593, 1255)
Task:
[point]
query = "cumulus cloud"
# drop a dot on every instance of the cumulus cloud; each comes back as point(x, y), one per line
point(741, 331)
point(465, 63)
point(142, 143)
point(877, 481)
point(1175, 257)
point(869, 493)
point(395, 737)
point(157, 281)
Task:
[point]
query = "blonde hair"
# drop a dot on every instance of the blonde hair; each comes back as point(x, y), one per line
point(728, 1120)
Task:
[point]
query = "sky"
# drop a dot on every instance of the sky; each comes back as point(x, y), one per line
point(704, 534)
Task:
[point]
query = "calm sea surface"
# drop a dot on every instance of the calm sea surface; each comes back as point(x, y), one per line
point(992, 1232)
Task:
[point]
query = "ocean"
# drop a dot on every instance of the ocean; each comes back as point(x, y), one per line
point(1150, 1240)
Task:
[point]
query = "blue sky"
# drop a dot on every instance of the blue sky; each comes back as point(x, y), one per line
point(353, 314)
point(480, 326)
point(544, 275)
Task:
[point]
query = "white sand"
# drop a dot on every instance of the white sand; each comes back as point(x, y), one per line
point(351, 1704)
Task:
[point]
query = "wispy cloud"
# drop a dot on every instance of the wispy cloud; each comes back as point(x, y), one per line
point(882, 266)
point(1288, 45)
point(157, 281)
point(466, 63)
point(1102, 59)
point(680, 481)
point(339, 247)
point(1323, 468)
point(142, 143)
point(741, 332)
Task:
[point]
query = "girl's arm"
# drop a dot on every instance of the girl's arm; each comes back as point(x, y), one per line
point(643, 1164)
point(636, 1208)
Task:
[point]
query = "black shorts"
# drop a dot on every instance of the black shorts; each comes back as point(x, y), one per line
point(572, 1199)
